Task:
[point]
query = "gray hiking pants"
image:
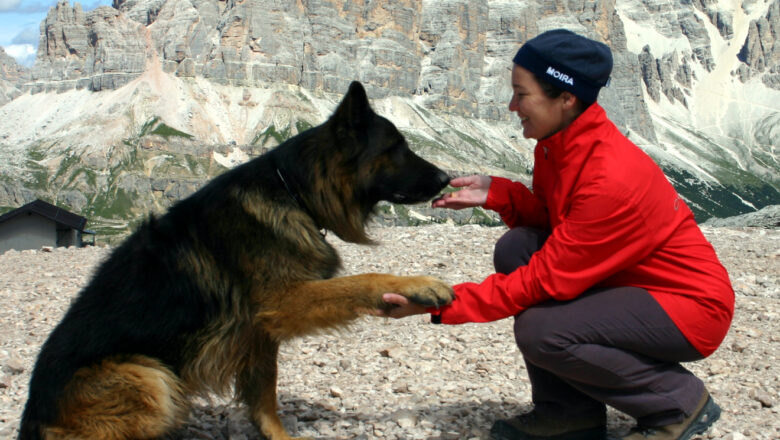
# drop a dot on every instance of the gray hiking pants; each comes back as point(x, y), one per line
point(609, 346)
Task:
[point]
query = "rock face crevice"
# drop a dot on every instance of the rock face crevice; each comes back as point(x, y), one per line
point(12, 76)
point(760, 54)
point(101, 49)
point(670, 76)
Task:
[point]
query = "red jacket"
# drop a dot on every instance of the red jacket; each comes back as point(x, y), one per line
point(615, 221)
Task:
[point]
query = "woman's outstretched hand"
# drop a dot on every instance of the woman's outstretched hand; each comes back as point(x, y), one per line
point(473, 192)
point(403, 307)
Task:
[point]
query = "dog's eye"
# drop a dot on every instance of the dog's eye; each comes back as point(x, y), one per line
point(398, 151)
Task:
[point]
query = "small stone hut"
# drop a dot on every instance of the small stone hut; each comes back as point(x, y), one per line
point(38, 224)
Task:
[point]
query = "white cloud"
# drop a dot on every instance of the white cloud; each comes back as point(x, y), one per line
point(9, 5)
point(23, 53)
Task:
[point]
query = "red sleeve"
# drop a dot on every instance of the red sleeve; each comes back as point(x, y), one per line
point(601, 236)
point(516, 204)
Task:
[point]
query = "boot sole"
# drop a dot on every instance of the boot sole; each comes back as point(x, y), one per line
point(708, 415)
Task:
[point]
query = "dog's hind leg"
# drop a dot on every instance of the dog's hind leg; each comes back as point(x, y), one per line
point(256, 386)
point(118, 399)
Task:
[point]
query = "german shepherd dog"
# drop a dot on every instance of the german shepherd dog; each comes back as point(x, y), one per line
point(198, 300)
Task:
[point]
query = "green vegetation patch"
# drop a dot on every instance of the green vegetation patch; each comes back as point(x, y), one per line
point(116, 205)
point(156, 126)
point(715, 200)
point(302, 126)
point(167, 131)
point(36, 155)
point(480, 217)
point(271, 132)
point(148, 126)
point(38, 179)
point(90, 175)
point(66, 164)
point(276, 136)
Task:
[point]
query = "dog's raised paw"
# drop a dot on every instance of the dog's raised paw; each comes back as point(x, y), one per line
point(430, 291)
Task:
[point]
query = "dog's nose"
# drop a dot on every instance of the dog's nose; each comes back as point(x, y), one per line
point(444, 179)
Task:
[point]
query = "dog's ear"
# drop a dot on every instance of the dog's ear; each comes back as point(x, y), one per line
point(354, 109)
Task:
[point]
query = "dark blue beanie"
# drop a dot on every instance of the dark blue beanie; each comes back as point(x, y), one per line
point(568, 61)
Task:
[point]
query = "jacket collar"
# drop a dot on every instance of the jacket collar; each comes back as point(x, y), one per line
point(564, 145)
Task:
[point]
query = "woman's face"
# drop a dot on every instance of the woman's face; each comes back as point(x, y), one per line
point(540, 115)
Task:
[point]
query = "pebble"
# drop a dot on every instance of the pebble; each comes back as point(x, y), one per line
point(407, 379)
point(763, 397)
point(13, 366)
point(405, 418)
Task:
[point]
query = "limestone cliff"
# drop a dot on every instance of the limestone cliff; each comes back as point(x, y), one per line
point(12, 76)
point(102, 49)
point(761, 50)
point(453, 55)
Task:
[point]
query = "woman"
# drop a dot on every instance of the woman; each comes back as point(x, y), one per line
point(609, 278)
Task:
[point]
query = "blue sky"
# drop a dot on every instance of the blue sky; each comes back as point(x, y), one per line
point(20, 24)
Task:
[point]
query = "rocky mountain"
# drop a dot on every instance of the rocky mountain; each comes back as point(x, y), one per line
point(767, 217)
point(131, 107)
point(12, 76)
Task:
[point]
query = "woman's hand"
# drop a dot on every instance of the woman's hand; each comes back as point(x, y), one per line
point(474, 192)
point(403, 307)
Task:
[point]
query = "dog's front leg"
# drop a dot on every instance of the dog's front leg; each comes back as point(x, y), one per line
point(309, 306)
point(256, 386)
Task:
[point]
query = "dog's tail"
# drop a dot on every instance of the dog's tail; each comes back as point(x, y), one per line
point(53, 369)
point(30, 430)
point(32, 425)
point(45, 385)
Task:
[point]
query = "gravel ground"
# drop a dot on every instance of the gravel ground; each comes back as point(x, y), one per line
point(407, 379)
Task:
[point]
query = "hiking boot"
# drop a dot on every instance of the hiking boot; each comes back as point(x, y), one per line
point(537, 426)
point(705, 414)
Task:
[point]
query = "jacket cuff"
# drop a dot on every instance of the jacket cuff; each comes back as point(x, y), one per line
point(498, 193)
point(435, 315)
